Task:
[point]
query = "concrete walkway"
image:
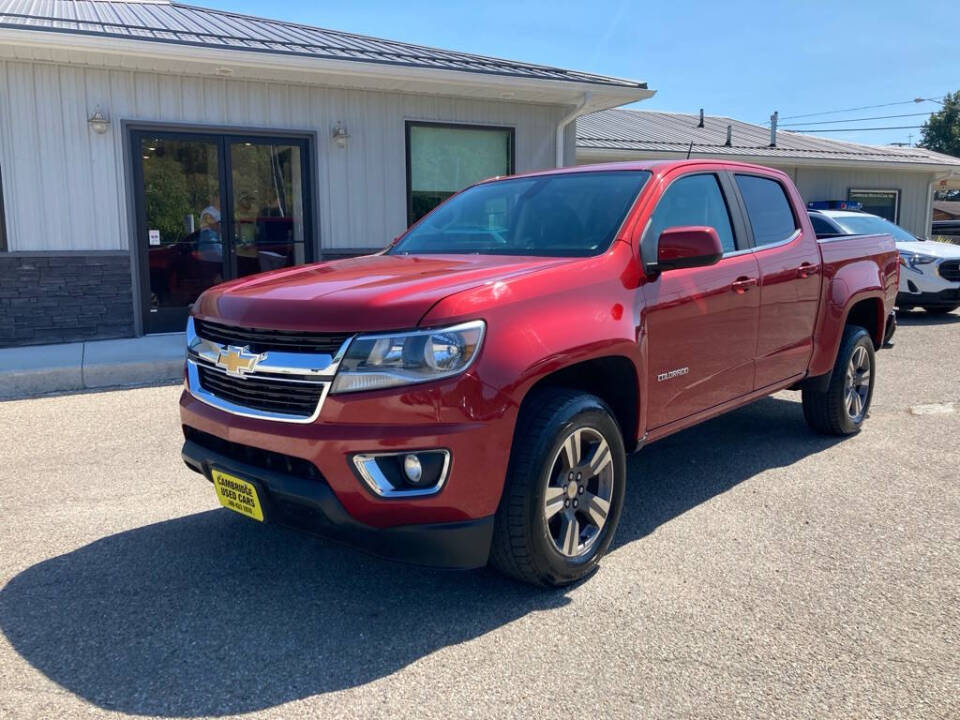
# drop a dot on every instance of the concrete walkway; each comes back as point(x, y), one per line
point(46, 369)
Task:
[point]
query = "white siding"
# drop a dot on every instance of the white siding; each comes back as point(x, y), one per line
point(65, 186)
point(833, 184)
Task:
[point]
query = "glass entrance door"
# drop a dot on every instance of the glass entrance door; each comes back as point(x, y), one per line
point(212, 208)
point(267, 206)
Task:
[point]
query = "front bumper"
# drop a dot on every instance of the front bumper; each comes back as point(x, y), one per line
point(310, 504)
point(926, 285)
point(462, 415)
point(943, 298)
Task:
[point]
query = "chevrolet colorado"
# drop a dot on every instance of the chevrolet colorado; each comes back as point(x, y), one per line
point(469, 394)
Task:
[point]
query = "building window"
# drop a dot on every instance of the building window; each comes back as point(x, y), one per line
point(885, 203)
point(444, 159)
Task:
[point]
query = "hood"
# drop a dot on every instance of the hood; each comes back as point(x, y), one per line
point(375, 292)
point(931, 247)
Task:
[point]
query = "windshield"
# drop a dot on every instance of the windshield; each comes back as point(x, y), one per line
point(871, 224)
point(568, 215)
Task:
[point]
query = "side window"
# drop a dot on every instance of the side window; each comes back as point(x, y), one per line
point(691, 200)
point(822, 226)
point(768, 209)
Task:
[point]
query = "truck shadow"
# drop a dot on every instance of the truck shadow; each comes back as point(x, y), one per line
point(679, 472)
point(922, 318)
point(211, 614)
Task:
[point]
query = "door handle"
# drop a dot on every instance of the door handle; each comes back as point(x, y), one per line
point(742, 284)
point(807, 269)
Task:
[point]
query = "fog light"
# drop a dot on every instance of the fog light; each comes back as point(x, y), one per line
point(412, 469)
point(404, 474)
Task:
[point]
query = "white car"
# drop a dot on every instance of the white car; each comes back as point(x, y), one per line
point(929, 271)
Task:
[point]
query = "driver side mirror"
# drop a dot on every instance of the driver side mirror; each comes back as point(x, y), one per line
point(686, 247)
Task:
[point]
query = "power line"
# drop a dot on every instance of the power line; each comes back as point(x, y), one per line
point(862, 107)
point(863, 129)
point(861, 119)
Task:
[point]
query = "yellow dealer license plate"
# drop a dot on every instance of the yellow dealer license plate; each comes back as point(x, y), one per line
point(237, 494)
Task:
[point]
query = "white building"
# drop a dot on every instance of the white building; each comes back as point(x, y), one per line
point(895, 182)
point(149, 149)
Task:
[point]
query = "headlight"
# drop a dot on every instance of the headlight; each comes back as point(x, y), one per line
point(914, 259)
point(380, 361)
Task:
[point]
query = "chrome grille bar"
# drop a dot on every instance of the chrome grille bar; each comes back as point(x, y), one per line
point(282, 386)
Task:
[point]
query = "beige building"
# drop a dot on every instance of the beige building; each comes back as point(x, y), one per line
point(150, 149)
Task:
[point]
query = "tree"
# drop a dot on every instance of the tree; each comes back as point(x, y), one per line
point(941, 132)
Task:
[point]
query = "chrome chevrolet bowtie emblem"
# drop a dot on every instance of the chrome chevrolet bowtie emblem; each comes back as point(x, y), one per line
point(238, 361)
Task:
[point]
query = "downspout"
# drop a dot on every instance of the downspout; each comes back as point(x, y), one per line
point(562, 126)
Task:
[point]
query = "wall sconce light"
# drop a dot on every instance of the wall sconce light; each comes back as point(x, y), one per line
point(340, 134)
point(99, 122)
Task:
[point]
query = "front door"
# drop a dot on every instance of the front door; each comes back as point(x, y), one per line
point(212, 208)
point(701, 322)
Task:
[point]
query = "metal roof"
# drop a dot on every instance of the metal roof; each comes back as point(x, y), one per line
point(649, 131)
point(171, 22)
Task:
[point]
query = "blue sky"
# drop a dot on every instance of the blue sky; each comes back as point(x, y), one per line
point(741, 59)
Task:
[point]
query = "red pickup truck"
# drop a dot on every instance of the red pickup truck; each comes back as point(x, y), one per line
point(469, 394)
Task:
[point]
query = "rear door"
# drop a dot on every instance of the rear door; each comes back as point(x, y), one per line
point(701, 323)
point(789, 261)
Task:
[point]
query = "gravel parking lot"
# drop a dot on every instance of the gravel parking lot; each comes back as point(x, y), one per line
point(759, 570)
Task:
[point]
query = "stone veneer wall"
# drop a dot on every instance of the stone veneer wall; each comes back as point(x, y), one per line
point(64, 297)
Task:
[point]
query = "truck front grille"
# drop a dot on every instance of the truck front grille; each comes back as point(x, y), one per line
point(269, 374)
point(950, 270)
point(289, 395)
point(260, 340)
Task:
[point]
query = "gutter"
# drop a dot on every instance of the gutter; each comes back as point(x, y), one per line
point(223, 62)
point(562, 126)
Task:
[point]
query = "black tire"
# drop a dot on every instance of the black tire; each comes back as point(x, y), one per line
point(523, 537)
point(827, 411)
point(941, 310)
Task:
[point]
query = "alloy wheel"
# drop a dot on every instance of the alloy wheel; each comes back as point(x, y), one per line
point(579, 492)
point(857, 384)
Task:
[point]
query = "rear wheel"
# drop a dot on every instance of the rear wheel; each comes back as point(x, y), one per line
point(842, 407)
point(941, 310)
point(564, 489)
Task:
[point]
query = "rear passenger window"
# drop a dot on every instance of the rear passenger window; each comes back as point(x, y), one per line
point(691, 200)
point(822, 226)
point(768, 209)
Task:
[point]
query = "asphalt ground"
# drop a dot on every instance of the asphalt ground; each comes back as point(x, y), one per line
point(759, 570)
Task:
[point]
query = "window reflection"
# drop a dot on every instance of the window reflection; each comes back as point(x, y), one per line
point(267, 207)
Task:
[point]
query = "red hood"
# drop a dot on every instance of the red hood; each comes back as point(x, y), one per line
point(376, 292)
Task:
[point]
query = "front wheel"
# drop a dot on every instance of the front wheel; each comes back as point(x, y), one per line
point(842, 407)
point(564, 489)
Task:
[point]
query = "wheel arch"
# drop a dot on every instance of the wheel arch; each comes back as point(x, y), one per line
point(868, 314)
point(612, 378)
point(865, 310)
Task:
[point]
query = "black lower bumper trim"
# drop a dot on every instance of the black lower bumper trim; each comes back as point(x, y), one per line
point(944, 298)
point(310, 504)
